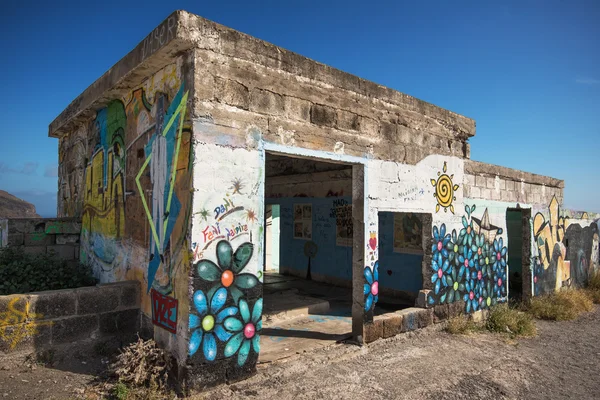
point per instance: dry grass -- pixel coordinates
(593, 288)
(561, 306)
(503, 319)
(463, 325)
(142, 370)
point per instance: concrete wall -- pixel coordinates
(61, 319)
(492, 182)
(125, 171)
(44, 235)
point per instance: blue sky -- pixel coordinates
(528, 72)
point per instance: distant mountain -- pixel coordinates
(13, 207)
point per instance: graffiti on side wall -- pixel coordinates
(18, 325)
(470, 264)
(164, 311)
(564, 250)
(137, 168)
(444, 190)
(226, 305)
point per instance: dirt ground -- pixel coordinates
(563, 361)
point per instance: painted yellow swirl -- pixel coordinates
(444, 190)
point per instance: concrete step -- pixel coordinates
(289, 304)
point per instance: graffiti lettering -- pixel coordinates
(164, 311)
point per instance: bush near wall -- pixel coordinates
(22, 272)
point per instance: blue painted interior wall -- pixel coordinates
(397, 271)
(331, 260)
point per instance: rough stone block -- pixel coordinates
(392, 325)
(22, 225)
(322, 115)
(410, 322)
(67, 239)
(54, 303)
(130, 295)
(266, 102)
(38, 239)
(13, 307)
(373, 331)
(58, 226)
(15, 239)
(467, 191)
(425, 318)
(63, 251)
(297, 109)
(440, 313)
(119, 322)
(480, 181)
(30, 336)
(422, 298)
(490, 183)
(68, 330)
(475, 192)
(486, 193)
(348, 121)
(469, 180)
(369, 126)
(477, 316)
(456, 308)
(502, 184)
(232, 93)
(34, 250)
(95, 300)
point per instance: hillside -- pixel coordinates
(13, 207)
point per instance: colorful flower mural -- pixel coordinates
(469, 265)
(229, 271)
(245, 331)
(371, 287)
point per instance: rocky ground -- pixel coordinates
(563, 361)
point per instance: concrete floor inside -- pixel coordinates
(299, 314)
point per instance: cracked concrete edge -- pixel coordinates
(491, 170)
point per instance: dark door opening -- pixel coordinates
(519, 236)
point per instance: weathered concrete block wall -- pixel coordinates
(60, 319)
(44, 236)
(295, 101)
(487, 181)
(125, 171)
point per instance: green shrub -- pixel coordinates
(503, 319)
(561, 306)
(22, 273)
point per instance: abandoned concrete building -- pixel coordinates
(239, 182)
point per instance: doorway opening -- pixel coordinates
(519, 242)
(308, 269)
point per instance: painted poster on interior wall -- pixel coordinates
(408, 233)
(303, 221)
(344, 227)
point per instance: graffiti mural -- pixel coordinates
(563, 251)
(131, 163)
(371, 274)
(469, 265)
(444, 190)
(18, 325)
(226, 302)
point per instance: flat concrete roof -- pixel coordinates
(181, 31)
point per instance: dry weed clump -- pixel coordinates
(463, 325)
(504, 319)
(593, 287)
(143, 364)
(561, 306)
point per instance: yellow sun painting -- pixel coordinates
(444, 190)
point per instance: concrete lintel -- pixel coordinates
(491, 170)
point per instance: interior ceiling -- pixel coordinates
(277, 165)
